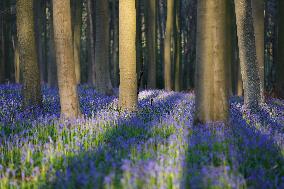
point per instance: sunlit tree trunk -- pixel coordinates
(65, 59)
(167, 45)
(27, 51)
(211, 65)
(16, 59)
(77, 6)
(247, 54)
(102, 68)
(280, 62)
(258, 18)
(151, 17)
(127, 55)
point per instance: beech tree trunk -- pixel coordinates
(91, 43)
(167, 45)
(247, 54)
(177, 36)
(258, 18)
(151, 17)
(77, 6)
(211, 51)
(65, 59)
(102, 67)
(280, 53)
(2, 45)
(127, 55)
(51, 69)
(28, 53)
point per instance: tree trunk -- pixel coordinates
(258, 18)
(151, 16)
(77, 6)
(167, 47)
(247, 53)
(52, 69)
(127, 55)
(211, 51)
(102, 80)
(16, 59)
(177, 36)
(2, 45)
(280, 53)
(28, 55)
(115, 45)
(91, 43)
(65, 59)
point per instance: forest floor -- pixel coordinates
(156, 147)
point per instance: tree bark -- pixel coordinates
(52, 69)
(28, 55)
(91, 43)
(127, 55)
(247, 54)
(2, 45)
(151, 16)
(258, 20)
(115, 45)
(77, 6)
(177, 36)
(102, 80)
(65, 59)
(211, 51)
(167, 47)
(280, 53)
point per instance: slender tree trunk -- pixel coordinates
(280, 53)
(52, 69)
(258, 18)
(28, 55)
(127, 55)
(102, 81)
(91, 43)
(16, 59)
(177, 36)
(2, 46)
(115, 45)
(65, 59)
(77, 6)
(211, 72)
(139, 48)
(247, 53)
(151, 16)
(167, 47)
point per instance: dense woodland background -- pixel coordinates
(151, 26)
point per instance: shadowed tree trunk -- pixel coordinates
(51, 68)
(167, 45)
(280, 53)
(2, 45)
(65, 59)
(151, 16)
(91, 43)
(258, 18)
(102, 68)
(247, 54)
(77, 6)
(27, 50)
(211, 57)
(177, 36)
(127, 55)
(115, 45)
